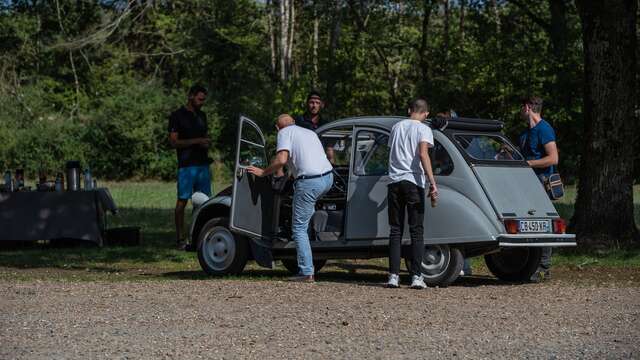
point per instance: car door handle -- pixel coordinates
(239, 173)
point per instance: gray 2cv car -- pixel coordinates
(491, 203)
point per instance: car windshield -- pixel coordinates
(488, 147)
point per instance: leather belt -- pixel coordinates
(305, 177)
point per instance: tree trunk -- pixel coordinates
(463, 6)
(272, 39)
(284, 32)
(316, 30)
(604, 207)
(292, 26)
(427, 7)
(446, 30)
(334, 42)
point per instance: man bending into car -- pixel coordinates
(301, 150)
(409, 168)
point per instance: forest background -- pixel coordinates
(96, 80)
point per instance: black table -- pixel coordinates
(34, 215)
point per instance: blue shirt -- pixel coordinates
(532, 142)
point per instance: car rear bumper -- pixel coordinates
(536, 240)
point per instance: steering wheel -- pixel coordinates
(339, 183)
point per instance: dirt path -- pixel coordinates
(330, 319)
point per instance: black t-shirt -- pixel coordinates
(190, 125)
(305, 122)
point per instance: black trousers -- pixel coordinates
(405, 195)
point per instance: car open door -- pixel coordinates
(252, 202)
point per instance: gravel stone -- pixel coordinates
(257, 319)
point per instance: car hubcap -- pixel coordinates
(219, 249)
(435, 260)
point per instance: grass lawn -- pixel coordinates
(149, 205)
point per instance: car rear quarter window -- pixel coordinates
(487, 147)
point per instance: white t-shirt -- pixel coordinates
(306, 154)
(404, 160)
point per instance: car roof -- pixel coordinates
(387, 122)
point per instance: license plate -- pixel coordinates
(534, 226)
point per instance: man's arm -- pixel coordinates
(550, 159)
(423, 150)
(178, 143)
(278, 163)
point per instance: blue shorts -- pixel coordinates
(192, 179)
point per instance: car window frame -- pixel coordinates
(357, 130)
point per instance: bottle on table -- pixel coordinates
(59, 182)
(8, 182)
(88, 182)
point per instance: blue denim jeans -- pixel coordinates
(305, 194)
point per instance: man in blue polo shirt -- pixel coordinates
(538, 145)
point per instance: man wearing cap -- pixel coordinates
(300, 149)
(312, 119)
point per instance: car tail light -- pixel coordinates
(511, 226)
(559, 226)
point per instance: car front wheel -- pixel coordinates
(514, 264)
(441, 265)
(220, 252)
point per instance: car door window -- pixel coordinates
(441, 162)
(371, 157)
(337, 144)
(252, 151)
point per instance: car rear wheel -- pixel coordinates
(220, 252)
(441, 265)
(292, 265)
(514, 264)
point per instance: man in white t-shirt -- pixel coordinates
(301, 150)
(410, 172)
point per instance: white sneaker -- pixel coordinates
(394, 281)
(417, 282)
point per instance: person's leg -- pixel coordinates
(305, 194)
(202, 182)
(184, 188)
(395, 210)
(545, 260)
(415, 212)
(466, 267)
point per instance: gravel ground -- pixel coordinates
(243, 318)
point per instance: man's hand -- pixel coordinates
(204, 142)
(433, 191)
(255, 171)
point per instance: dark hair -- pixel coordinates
(534, 102)
(419, 106)
(195, 89)
(312, 94)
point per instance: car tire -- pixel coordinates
(292, 265)
(441, 265)
(221, 252)
(514, 264)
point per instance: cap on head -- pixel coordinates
(195, 89)
(313, 94)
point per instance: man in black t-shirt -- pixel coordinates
(188, 134)
(312, 119)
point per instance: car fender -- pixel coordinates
(220, 206)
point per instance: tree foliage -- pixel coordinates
(96, 80)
